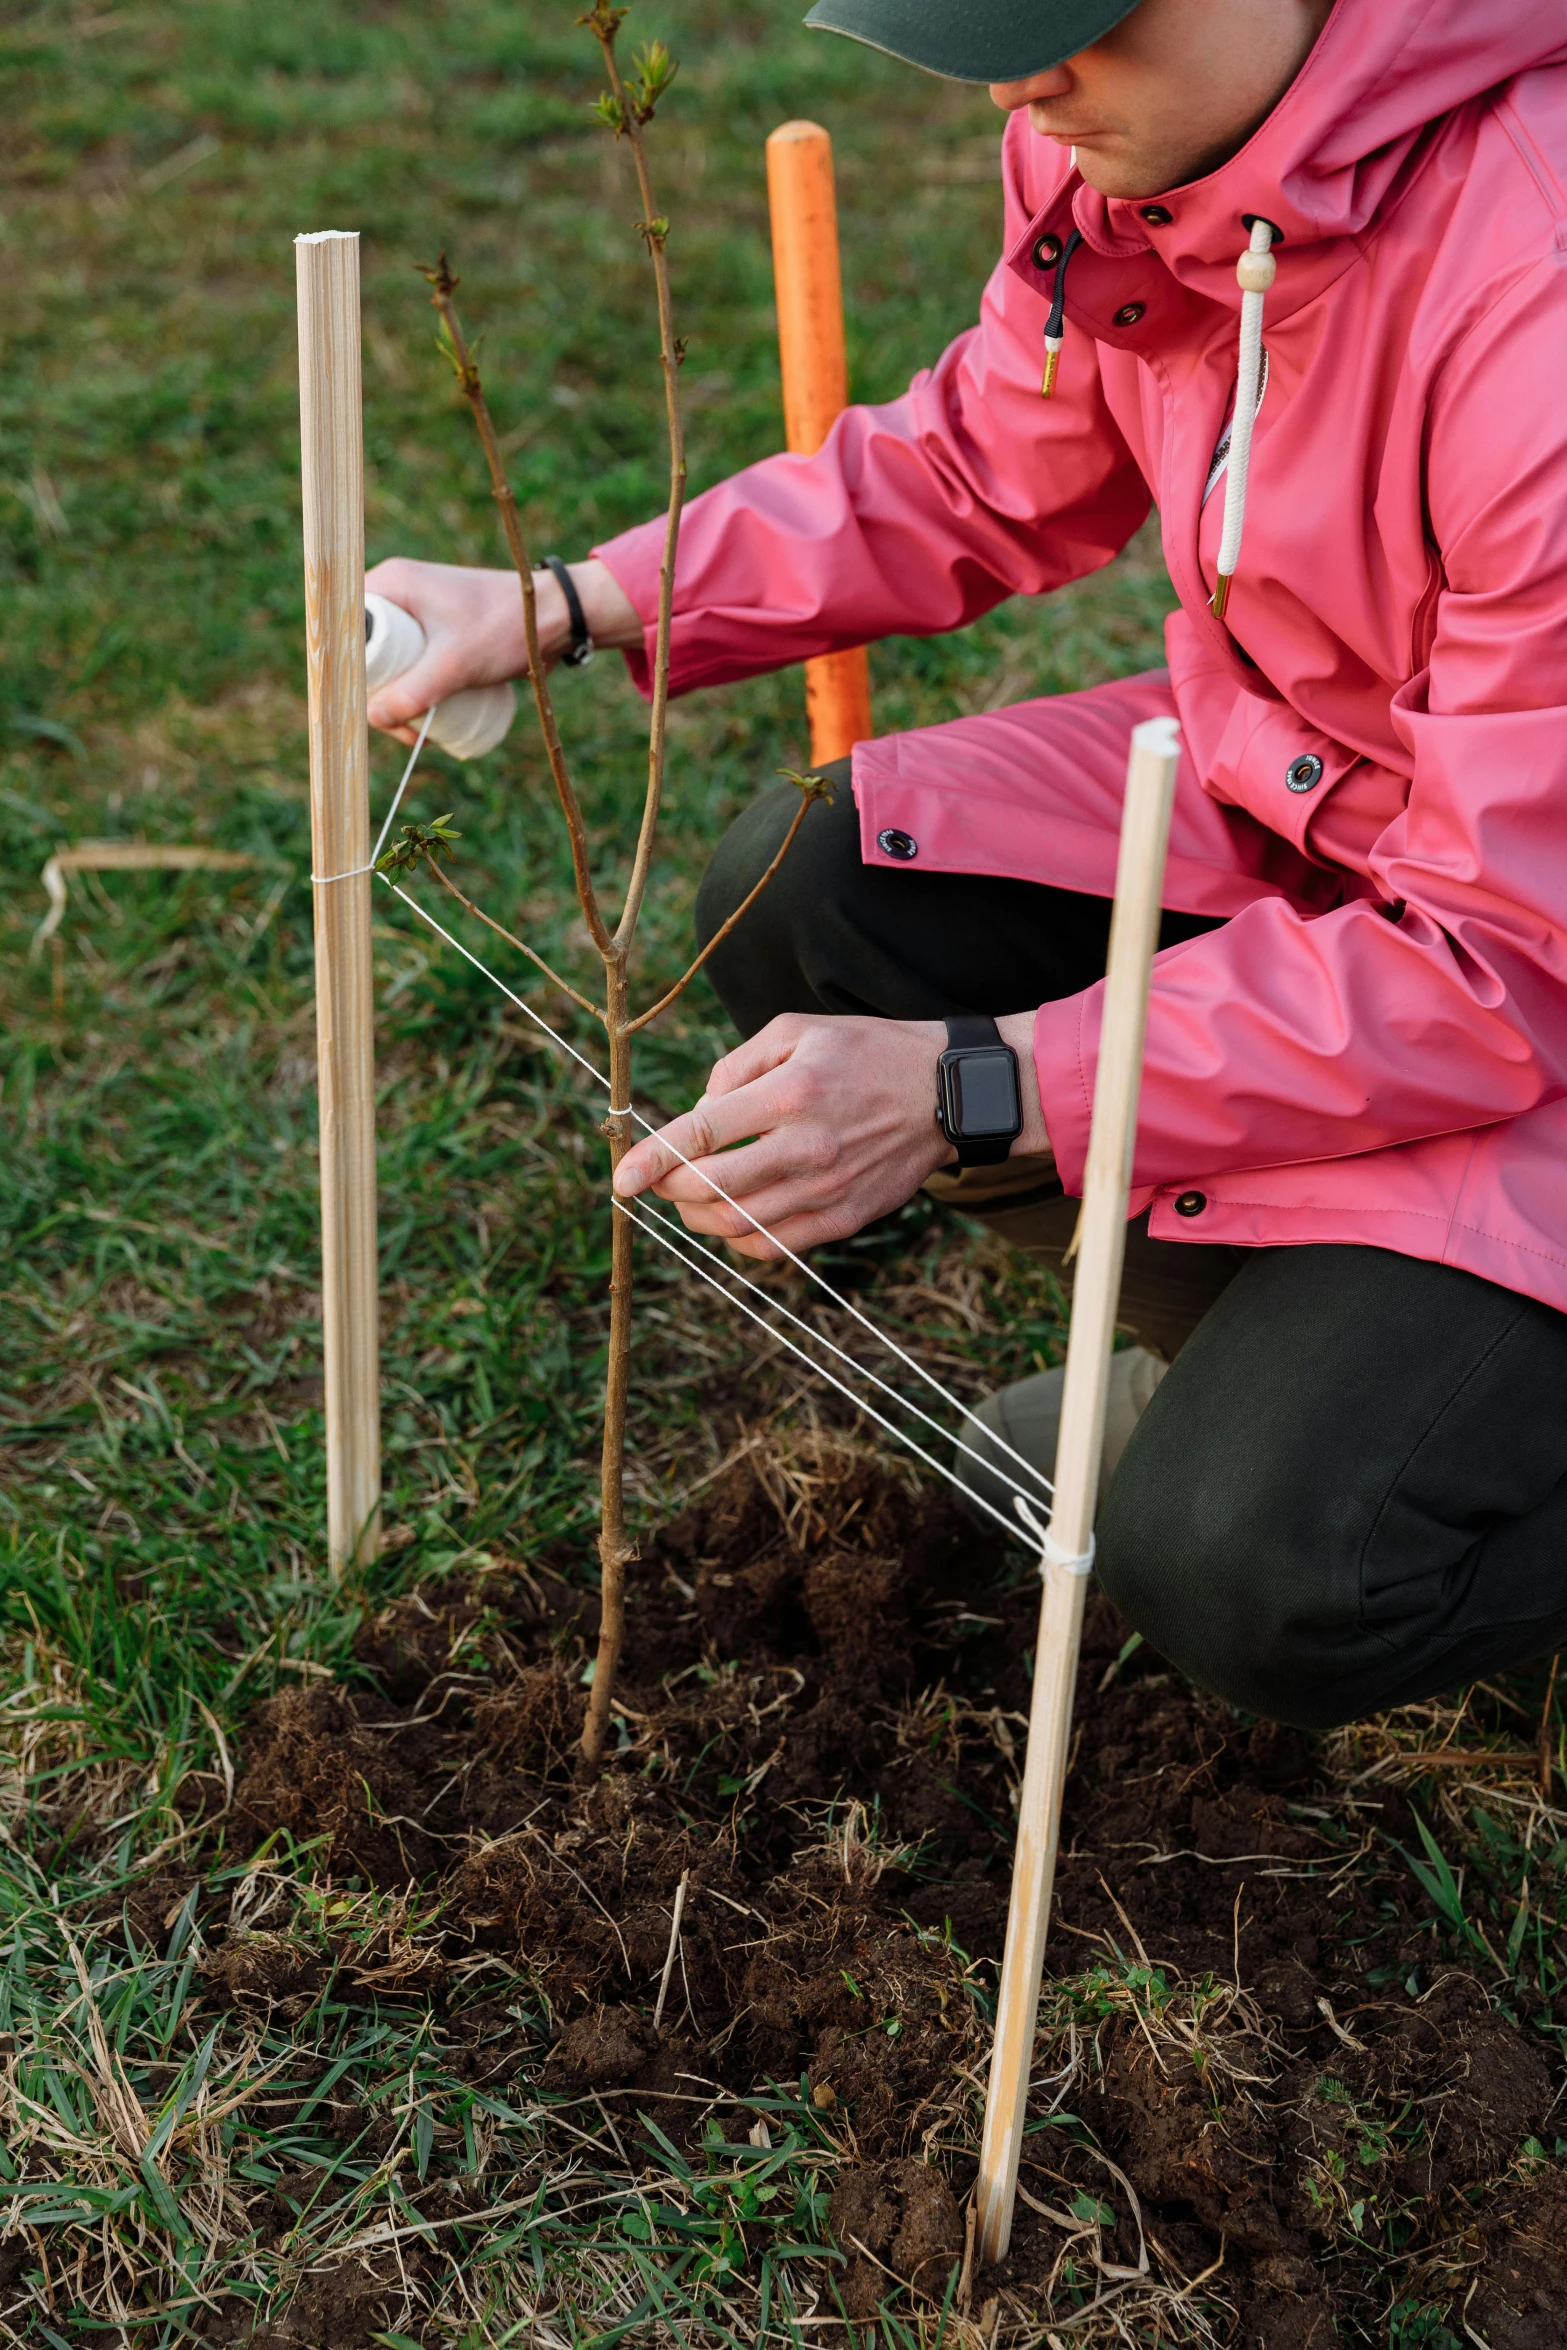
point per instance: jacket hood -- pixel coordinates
(1341, 141)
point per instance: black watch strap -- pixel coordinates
(580, 649)
(968, 1029)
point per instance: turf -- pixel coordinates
(159, 1203)
(162, 1503)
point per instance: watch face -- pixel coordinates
(985, 1094)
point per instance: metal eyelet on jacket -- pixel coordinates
(901, 845)
(1304, 773)
(1129, 314)
(1047, 251)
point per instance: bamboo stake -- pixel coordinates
(815, 371)
(1134, 932)
(332, 469)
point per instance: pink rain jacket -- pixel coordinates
(1374, 1047)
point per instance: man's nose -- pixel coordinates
(1054, 82)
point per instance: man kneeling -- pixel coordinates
(1341, 1451)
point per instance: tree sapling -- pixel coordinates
(626, 107)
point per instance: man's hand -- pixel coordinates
(472, 621)
(837, 1119)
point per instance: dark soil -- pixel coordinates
(822, 1705)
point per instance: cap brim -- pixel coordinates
(984, 41)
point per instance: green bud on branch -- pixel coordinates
(814, 787)
(418, 842)
(652, 71)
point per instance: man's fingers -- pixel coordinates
(711, 1126)
(771, 1206)
(787, 1232)
(768, 1049)
(789, 1154)
(404, 702)
(399, 707)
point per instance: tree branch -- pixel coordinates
(631, 111)
(442, 286)
(490, 923)
(812, 788)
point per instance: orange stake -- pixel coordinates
(815, 383)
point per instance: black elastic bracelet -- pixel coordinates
(580, 651)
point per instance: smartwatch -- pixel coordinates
(979, 1101)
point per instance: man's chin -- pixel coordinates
(1105, 165)
(1122, 176)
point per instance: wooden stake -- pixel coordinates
(815, 371)
(332, 469)
(1134, 932)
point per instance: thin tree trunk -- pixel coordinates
(614, 1549)
(627, 109)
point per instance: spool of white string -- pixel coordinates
(467, 724)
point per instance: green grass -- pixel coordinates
(162, 1493)
(162, 1500)
(161, 1347)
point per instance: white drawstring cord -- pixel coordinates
(1254, 273)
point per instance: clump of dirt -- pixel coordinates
(1271, 2067)
(901, 2216)
(351, 2304)
(1520, 2236)
(605, 2047)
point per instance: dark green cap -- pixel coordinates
(974, 40)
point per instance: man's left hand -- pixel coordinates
(816, 1126)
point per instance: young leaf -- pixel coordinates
(815, 787)
(417, 841)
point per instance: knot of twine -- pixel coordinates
(1051, 1553)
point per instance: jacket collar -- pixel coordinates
(1327, 168)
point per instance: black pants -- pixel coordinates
(1350, 1490)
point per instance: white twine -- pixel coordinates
(882, 1338)
(1051, 1554)
(819, 1369)
(861, 1370)
(995, 1442)
(322, 879)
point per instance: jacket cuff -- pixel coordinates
(1066, 1046)
(633, 561)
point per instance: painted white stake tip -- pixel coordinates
(1161, 736)
(329, 236)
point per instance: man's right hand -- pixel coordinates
(472, 621)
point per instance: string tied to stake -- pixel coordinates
(992, 1440)
(323, 880)
(688, 1248)
(1051, 1554)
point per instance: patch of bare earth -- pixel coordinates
(821, 1718)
